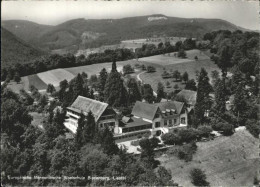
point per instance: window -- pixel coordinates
(157, 115)
(165, 122)
(101, 125)
(170, 122)
(183, 120)
(157, 124)
(175, 121)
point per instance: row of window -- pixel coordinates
(171, 122)
(137, 128)
(130, 135)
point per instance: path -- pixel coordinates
(139, 79)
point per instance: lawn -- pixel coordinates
(37, 82)
(227, 161)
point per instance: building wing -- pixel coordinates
(144, 110)
(84, 105)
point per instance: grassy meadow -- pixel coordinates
(227, 161)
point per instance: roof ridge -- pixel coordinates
(96, 101)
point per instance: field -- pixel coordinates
(171, 63)
(170, 59)
(55, 76)
(227, 161)
(96, 68)
(41, 80)
(161, 62)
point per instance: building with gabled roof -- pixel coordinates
(144, 110)
(103, 114)
(163, 116)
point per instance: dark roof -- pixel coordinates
(134, 122)
(85, 105)
(144, 110)
(189, 95)
(175, 105)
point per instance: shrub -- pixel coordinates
(154, 142)
(224, 128)
(151, 69)
(171, 139)
(188, 135)
(182, 54)
(204, 131)
(198, 177)
(127, 69)
(253, 127)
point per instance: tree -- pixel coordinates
(147, 93)
(151, 69)
(176, 74)
(191, 85)
(198, 177)
(203, 100)
(182, 53)
(171, 139)
(214, 76)
(89, 129)
(240, 103)
(108, 142)
(165, 176)
(224, 60)
(50, 89)
(220, 96)
(102, 82)
(79, 141)
(176, 87)
(147, 154)
(127, 69)
(17, 77)
(115, 91)
(253, 127)
(133, 91)
(168, 84)
(185, 77)
(160, 91)
(76, 87)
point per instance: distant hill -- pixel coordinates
(15, 50)
(96, 32)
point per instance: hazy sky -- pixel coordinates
(241, 13)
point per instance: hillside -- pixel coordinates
(96, 32)
(227, 161)
(26, 30)
(15, 50)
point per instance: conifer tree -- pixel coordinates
(220, 96)
(160, 91)
(203, 101)
(102, 82)
(115, 91)
(89, 129)
(133, 91)
(79, 136)
(108, 142)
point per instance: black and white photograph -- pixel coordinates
(130, 93)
